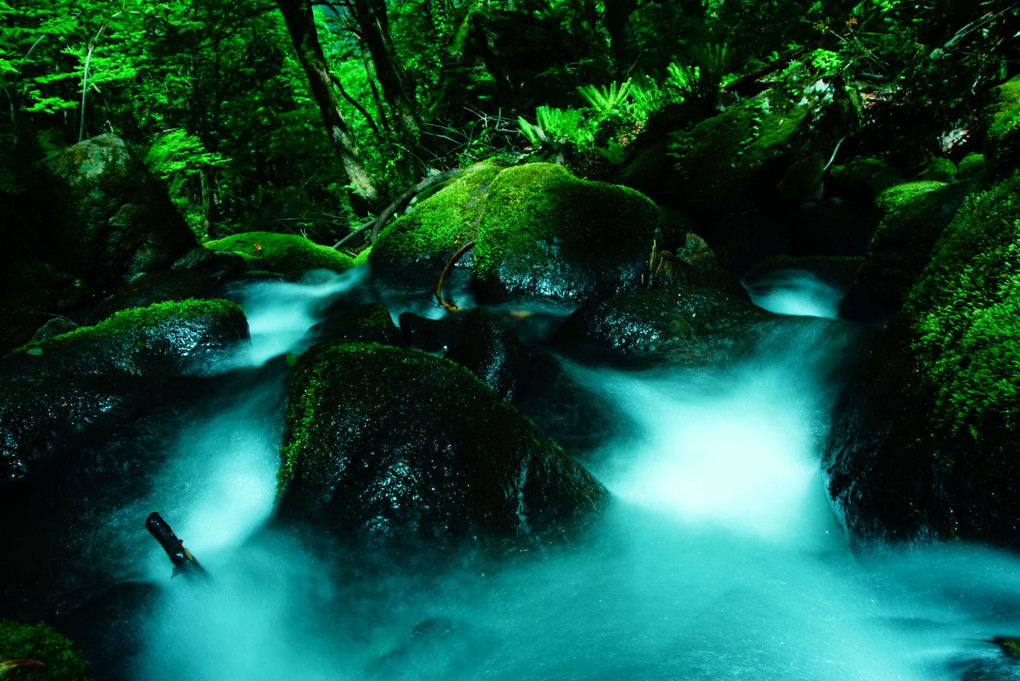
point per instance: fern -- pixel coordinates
(608, 98)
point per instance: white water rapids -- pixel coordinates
(718, 559)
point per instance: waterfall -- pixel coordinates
(718, 559)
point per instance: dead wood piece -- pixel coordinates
(184, 563)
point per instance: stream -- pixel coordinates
(719, 557)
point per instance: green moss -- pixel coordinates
(717, 159)
(437, 226)
(362, 257)
(972, 167)
(1002, 143)
(42, 644)
(803, 180)
(288, 254)
(310, 381)
(135, 318)
(939, 170)
(964, 314)
(542, 223)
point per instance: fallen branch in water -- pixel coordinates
(450, 306)
(184, 562)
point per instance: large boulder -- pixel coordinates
(388, 445)
(288, 254)
(684, 324)
(924, 445)
(912, 216)
(547, 234)
(112, 219)
(85, 418)
(538, 231)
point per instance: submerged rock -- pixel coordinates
(390, 445)
(924, 444)
(684, 324)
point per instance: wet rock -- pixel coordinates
(166, 339)
(912, 216)
(218, 264)
(392, 446)
(109, 626)
(477, 340)
(923, 443)
(687, 325)
(156, 287)
(113, 220)
(288, 254)
(369, 323)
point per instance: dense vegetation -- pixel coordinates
(251, 133)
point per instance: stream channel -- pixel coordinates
(719, 558)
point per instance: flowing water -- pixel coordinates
(719, 557)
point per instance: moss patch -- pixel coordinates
(964, 313)
(289, 254)
(547, 233)
(1002, 143)
(426, 238)
(56, 654)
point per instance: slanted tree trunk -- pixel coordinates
(301, 25)
(375, 30)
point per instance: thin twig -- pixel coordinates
(449, 305)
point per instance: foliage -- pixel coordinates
(59, 661)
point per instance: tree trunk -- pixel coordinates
(301, 25)
(375, 29)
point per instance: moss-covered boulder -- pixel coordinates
(165, 339)
(391, 446)
(37, 652)
(86, 418)
(925, 444)
(684, 324)
(547, 234)
(1002, 116)
(912, 216)
(758, 150)
(288, 254)
(417, 246)
(111, 218)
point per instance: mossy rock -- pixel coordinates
(548, 234)
(55, 656)
(395, 446)
(686, 325)
(938, 170)
(863, 179)
(416, 247)
(112, 219)
(739, 157)
(35, 293)
(288, 254)
(165, 339)
(912, 216)
(925, 444)
(1002, 116)
(972, 168)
